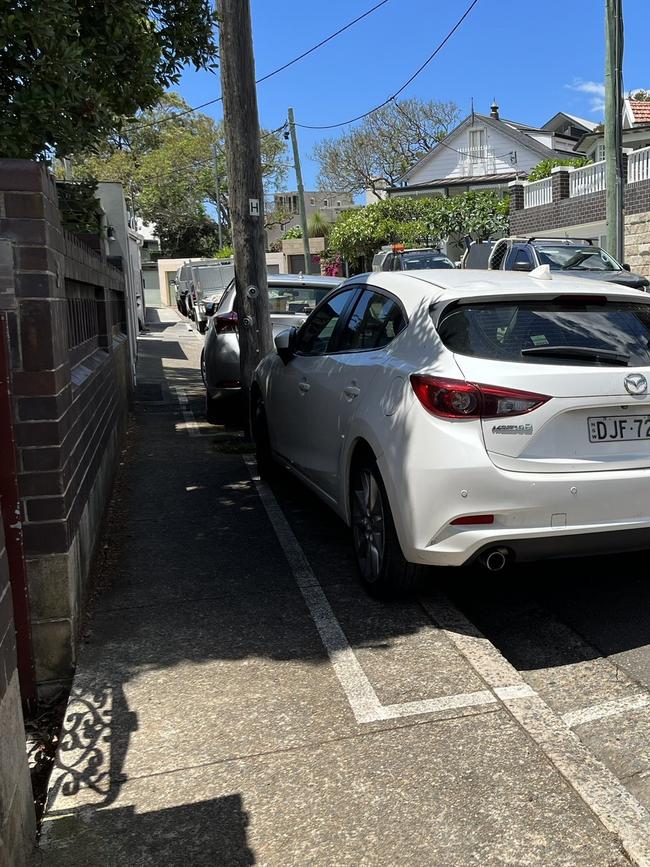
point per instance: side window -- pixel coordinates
(518, 256)
(375, 321)
(316, 334)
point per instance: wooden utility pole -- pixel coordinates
(245, 190)
(613, 127)
(301, 193)
(217, 190)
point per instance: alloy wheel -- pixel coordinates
(368, 525)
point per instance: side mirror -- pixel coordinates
(522, 266)
(285, 343)
(626, 267)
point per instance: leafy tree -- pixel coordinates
(167, 168)
(641, 95)
(69, 68)
(544, 169)
(359, 233)
(384, 146)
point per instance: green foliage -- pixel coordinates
(641, 95)
(70, 68)
(79, 205)
(414, 221)
(224, 253)
(318, 226)
(543, 169)
(386, 144)
(292, 233)
(168, 170)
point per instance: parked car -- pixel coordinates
(209, 280)
(397, 257)
(580, 258)
(291, 298)
(449, 420)
(182, 282)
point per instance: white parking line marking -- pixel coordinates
(606, 796)
(191, 424)
(607, 708)
(359, 692)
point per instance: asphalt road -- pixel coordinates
(241, 700)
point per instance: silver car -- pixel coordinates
(291, 298)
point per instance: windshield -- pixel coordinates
(574, 258)
(427, 259)
(546, 331)
(295, 299)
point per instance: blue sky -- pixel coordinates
(535, 59)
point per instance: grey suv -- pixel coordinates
(572, 256)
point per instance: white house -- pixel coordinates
(487, 152)
(636, 131)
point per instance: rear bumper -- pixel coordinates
(558, 545)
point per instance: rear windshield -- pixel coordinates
(554, 331)
(295, 299)
(415, 261)
(214, 277)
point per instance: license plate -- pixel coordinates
(613, 428)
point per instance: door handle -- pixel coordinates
(304, 386)
(351, 391)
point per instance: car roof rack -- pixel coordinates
(564, 240)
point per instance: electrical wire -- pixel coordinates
(412, 78)
(268, 74)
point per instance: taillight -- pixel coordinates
(453, 398)
(226, 323)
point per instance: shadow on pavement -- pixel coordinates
(203, 834)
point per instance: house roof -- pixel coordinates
(589, 138)
(640, 110)
(509, 128)
(587, 125)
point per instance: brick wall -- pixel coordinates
(71, 386)
(564, 212)
(16, 807)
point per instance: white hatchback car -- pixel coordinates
(458, 415)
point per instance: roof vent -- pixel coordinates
(542, 272)
(494, 110)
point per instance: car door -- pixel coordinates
(297, 403)
(376, 318)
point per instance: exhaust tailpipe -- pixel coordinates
(496, 559)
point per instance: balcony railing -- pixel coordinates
(588, 179)
(538, 193)
(477, 161)
(638, 165)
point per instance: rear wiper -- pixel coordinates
(608, 355)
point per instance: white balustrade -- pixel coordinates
(588, 179)
(538, 193)
(638, 165)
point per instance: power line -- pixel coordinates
(268, 74)
(438, 48)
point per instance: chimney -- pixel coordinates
(494, 110)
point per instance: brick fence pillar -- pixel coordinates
(516, 190)
(560, 182)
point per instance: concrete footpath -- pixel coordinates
(239, 700)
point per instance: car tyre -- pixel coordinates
(384, 571)
(266, 466)
(213, 410)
